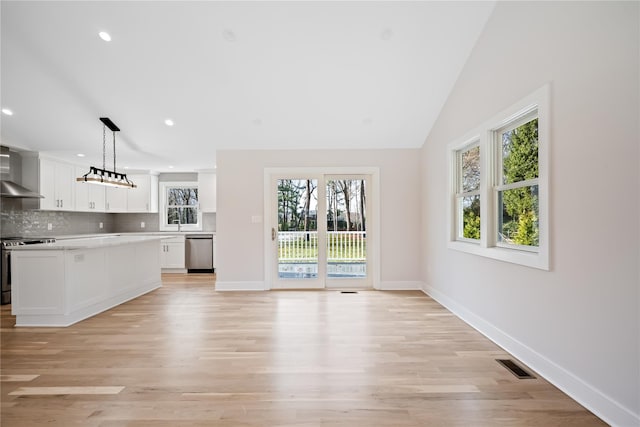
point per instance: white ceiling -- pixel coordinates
(241, 75)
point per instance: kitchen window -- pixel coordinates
(180, 206)
(498, 198)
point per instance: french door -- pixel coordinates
(319, 231)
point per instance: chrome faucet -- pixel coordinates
(179, 224)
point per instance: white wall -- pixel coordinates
(240, 196)
(577, 324)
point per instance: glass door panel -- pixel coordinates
(297, 234)
(346, 202)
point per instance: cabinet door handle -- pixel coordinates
(273, 233)
(61, 203)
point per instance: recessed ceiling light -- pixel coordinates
(170, 167)
(386, 34)
(7, 112)
(229, 35)
(80, 155)
(168, 122)
(104, 36)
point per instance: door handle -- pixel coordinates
(273, 234)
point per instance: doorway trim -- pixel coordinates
(373, 218)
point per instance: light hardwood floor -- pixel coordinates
(185, 355)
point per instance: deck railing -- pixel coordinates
(342, 246)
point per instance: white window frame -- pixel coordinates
(164, 186)
(458, 228)
(531, 106)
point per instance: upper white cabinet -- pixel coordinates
(89, 197)
(143, 198)
(56, 184)
(207, 191)
(116, 200)
(56, 181)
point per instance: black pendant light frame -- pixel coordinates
(105, 176)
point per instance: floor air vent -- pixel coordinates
(348, 292)
(515, 369)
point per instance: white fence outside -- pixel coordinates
(342, 246)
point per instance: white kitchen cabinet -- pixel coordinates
(88, 197)
(116, 199)
(143, 198)
(172, 253)
(207, 191)
(78, 278)
(56, 184)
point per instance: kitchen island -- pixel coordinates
(59, 284)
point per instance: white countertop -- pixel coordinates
(166, 234)
(94, 242)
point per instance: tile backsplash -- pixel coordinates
(130, 222)
(16, 221)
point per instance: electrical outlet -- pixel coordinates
(142, 224)
(49, 226)
(101, 225)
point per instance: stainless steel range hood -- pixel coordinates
(8, 185)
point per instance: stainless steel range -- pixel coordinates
(6, 243)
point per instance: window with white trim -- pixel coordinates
(180, 206)
(468, 192)
(499, 186)
(517, 188)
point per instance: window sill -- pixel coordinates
(183, 229)
(539, 260)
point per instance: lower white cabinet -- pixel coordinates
(61, 285)
(172, 253)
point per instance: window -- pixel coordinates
(499, 186)
(517, 188)
(180, 206)
(468, 193)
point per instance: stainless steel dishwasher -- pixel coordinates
(199, 252)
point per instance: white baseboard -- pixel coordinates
(588, 396)
(175, 270)
(239, 286)
(407, 285)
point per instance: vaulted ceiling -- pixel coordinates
(230, 75)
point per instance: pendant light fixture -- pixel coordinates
(104, 176)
